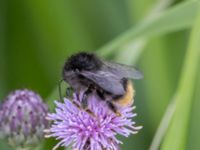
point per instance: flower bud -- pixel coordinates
(23, 118)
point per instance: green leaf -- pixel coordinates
(177, 134)
(194, 132)
(177, 18)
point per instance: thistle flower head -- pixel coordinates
(23, 118)
(77, 128)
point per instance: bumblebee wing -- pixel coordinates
(106, 81)
(123, 71)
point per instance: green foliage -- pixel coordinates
(37, 36)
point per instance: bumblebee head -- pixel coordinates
(83, 61)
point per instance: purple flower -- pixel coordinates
(23, 118)
(77, 128)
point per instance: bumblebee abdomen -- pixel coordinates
(128, 97)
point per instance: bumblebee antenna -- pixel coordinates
(60, 89)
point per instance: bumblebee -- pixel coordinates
(110, 81)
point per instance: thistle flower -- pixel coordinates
(82, 131)
(23, 118)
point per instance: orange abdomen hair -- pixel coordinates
(128, 97)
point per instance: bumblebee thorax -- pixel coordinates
(83, 61)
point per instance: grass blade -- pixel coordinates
(194, 132)
(176, 137)
(163, 126)
(180, 17)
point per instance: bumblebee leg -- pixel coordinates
(101, 94)
(69, 91)
(113, 108)
(76, 104)
(84, 101)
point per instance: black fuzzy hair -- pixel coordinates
(83, 61)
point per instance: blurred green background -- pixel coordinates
(161, 37)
